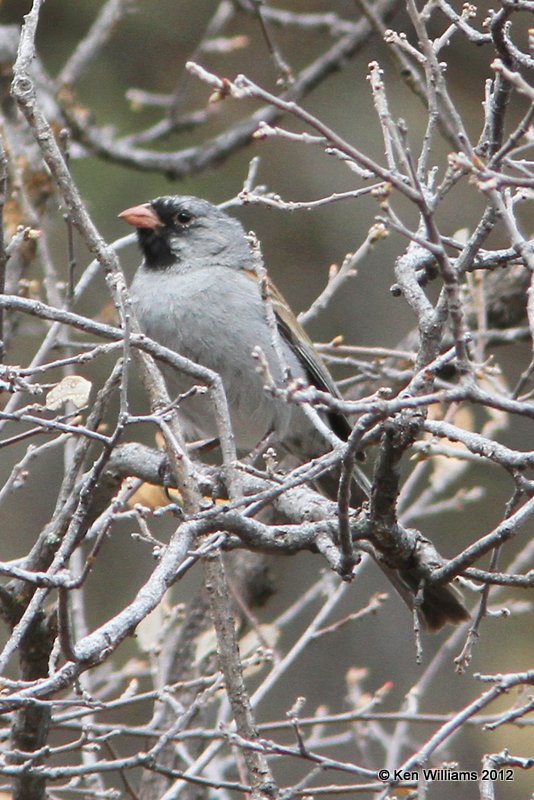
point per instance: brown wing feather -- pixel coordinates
(299, 341)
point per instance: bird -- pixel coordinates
(200, 291)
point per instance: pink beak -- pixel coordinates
(142, 216)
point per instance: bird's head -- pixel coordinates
(187, 232)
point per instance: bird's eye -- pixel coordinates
(183, 217)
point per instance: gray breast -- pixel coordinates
(217, 323)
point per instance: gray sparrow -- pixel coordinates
(198, 291)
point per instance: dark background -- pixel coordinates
(149, 52)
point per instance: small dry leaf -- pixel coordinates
(148, 495)
(73, 388)
(152, 496)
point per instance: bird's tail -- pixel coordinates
(436, 605)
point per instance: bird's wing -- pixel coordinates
(296, 337)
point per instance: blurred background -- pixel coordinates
(148, 52)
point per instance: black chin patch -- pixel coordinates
(155, 248)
